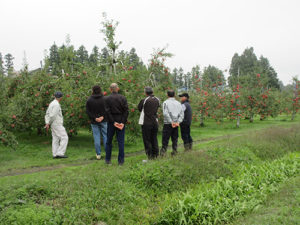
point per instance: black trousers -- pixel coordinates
(186, 133)
(150, 140)
(169, 131)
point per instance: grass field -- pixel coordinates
(248, 175)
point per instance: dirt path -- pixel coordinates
(89, 161)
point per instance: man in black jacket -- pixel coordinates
(149, 121)
(96, 110)
(185, 125)
(117, 112)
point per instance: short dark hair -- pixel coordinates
(58, 94)
(148, 90)
(171, 93)
(97, 90)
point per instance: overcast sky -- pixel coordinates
(199, 32)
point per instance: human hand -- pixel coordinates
(47, 126)
(174, 125)
(121, 126)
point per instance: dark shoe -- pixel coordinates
(186, 147)
(121, 164)
(55, 157)
(163, 152)
(61, 156)
(174, 152)
(191, 146)
(107, 162)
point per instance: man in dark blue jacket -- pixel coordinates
(185, 125)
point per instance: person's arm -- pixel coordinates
(125, 110)
(52, 113)
(89, 113)
(181, 114)
(141, 104)
(108, 110)
(47, 117)
(166, 113)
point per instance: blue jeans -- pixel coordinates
(99, 129)
(111, 130)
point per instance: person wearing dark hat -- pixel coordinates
(97, 112)
(54, 119)
(185, 125)
(149, 121)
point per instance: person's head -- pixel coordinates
(184, 97)
(97, 90)
(171, 93)
(58, 95)
(148, 91)
(114, 88)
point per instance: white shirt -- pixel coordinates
(53, 114)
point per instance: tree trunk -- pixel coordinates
(202, 120)
(238, 122)
(114, 62)
(251, 117)
(293, 115)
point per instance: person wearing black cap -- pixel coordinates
(54, 119)
(149, 121)
(185, 125)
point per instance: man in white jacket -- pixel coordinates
(173, 116)
(54, 119)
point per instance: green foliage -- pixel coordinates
(163, 177)
(244, 68)
(1, 66)
(30, 214)
(228, 198)
(142, 193)
(213, 77)
(281, 207)
(9, 64)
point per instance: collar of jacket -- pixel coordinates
(97, 95)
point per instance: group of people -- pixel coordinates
(109, 115)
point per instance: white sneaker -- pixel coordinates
(98, 157)
(145, 161)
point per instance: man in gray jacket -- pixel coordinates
(173, 116)
(54, 119)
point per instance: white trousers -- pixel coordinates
(59, 140)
